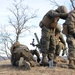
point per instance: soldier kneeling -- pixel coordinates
(21, 56)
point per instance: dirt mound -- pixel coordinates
(7, 69)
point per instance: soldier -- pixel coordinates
(70, 27)
(21, 56)
(60, 42)
(48, 25)
(35, 52)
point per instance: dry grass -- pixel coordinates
(7, 69)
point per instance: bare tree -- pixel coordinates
(55, 3)
(5, 42)
(17, 21)
(21, 16)
(72, 3)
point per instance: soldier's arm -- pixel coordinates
(35, 52)
(62, 39)
(52, 14)
(63, 15)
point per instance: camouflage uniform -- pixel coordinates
(21, 51)
(48, 25)
(35, 52)
(70, 22)
(60, 42)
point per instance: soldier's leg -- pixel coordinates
(38, 55)
(52, 46)
(24, 64)
(44, 42)
(72, 59)
(44, 53)
(71, 51)
(58, 49)
(33, 63)
(14, 58)
(44, 60)
(51, 54)
(29, 57)
(13, 61)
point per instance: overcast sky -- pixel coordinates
(42, 5)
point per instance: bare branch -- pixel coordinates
(72, 2)
(53, 2)
(21, 17)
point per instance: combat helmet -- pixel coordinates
(58, 28)
(16, 44)
(62, 9)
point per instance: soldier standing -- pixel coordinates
(48, 25)
(70, 24)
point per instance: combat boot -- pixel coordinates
(27, 65)
(24, 64)
(33, 63)
(71, 64)
(21, 62)
(54, 62)
(51, 57)
(44, 60)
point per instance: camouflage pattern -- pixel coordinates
(60, 42)
(47, 41)
(48, 25)
(35, 52)
(70, 22)
(22, 51)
